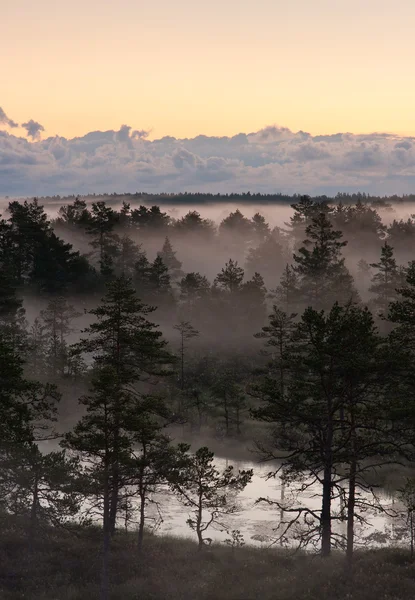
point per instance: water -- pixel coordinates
(261, 524)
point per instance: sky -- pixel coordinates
(217, 68)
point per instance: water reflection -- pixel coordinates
(262, 524)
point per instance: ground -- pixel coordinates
(65, 565)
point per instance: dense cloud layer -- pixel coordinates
(271, 160)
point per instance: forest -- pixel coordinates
(139, 350)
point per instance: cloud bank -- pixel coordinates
(274, 159)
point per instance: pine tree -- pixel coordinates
(330, 414)
(202, 488)
(193, 224)
(385, 280)
(186, 332)
(12, 313)
(266, 259)
(124, 341)
(252, 296)
(130, 257)
(324, 278)
(57, 325)
(287, 293)
(278, 348)
(160, 292)
(231, 276)
(127, 350)
(45, 487)
(304, 211)
(101, 227)
(168, 256)
(261, 228)
(194, 288)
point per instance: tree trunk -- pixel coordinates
(225, 406)
(352, 490)
(106, 542)
(182, 364)
(350, 512)
(142, 518)
(113, 506)
(199, 525)
(33, 512)
(326, 513)
(238, 421)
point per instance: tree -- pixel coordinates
(252, 300)
(402, 310)
(193, 224)
(287, 293)
(330, 413)
(120, 414)
(193, 288)
(201, 487)
(261, 228)
(101, 229)
(45, 487)
(150, 219)
(186, 332)
(158, 278)
(125, 343)
(304, 211)
(12, 313)
(385, 280)
(168, 256)
(35, 254)
(130, 257)
(231, 276)
(278, 349)
(266, 259)
(401, 236)
(56, 322)
(76, 214)
(323, 275)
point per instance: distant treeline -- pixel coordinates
(245, 198)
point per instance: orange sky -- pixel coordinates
(221, 67)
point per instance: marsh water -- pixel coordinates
(261, 524)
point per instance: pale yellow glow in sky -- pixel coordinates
(218, 67)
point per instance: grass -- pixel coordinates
(65, 566)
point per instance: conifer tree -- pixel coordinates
(127, 350)
(330, 414)
(385, 280)
(278, 350)
(252, 301)
(201, 487)
(186, 332)
(129, 256)
(261, 228)
(324, 278)
(287, 293)
(173, 264)
(46, 487)
(101, 229)
(266, 259)
(57, 325)
(160, 292)
(231, 276)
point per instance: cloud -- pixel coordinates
(4, 120)
(274, 159)
(33, 129)
(138, 134)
